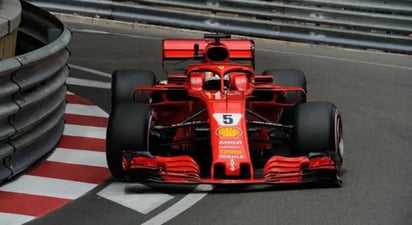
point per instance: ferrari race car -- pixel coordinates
(219, 122)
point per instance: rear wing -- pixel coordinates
(182, 49)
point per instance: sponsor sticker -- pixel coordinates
(229, 147)
(231, 156)
(221, 142)
(230, 151)
(228, 144)
(229, 132)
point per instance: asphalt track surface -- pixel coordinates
(372, 90)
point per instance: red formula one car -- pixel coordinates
(219, 122)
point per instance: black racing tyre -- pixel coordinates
(127, 130)
(124, 81)
(289, 77)
(317, 129)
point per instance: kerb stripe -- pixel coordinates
(86, 120)
(26, 204)
(75, 99)
(81, 173)
(74, 142)
(79, 157)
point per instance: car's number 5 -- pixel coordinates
(227, 119)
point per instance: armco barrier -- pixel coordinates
(365, 24)
(32, 91)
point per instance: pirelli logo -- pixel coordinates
(230, 151)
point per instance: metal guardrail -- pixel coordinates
(366, 24)
(32, 91)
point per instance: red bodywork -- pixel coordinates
(225, 123)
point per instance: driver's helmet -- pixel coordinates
(211, 76)
(212, 81)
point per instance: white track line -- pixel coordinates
(50, 187)
(183, 204)
(14, 219)
(90, 31)
(93, 71)
(78, 157)
(88, 83)
(141, 202)
(85, 110)
(335, 58)
(85, 131)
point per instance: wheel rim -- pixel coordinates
(340, 147)
(339, 140)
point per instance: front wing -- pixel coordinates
(278, 170)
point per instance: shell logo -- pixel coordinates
(228, 132)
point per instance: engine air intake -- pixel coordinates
(217, 54)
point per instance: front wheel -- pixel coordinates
(317, 128)
(124, 82)
(127, 130)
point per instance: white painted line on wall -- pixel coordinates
(88, 83)
(183, 204)
(51, 187)
(79, 157)
(123, 194)
(85, 131)
(14, 219)
(85, 110)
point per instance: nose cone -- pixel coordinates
(229, 139)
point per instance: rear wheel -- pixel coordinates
(124, 81)
(127, 130)
(289, 77)
(317, 128)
